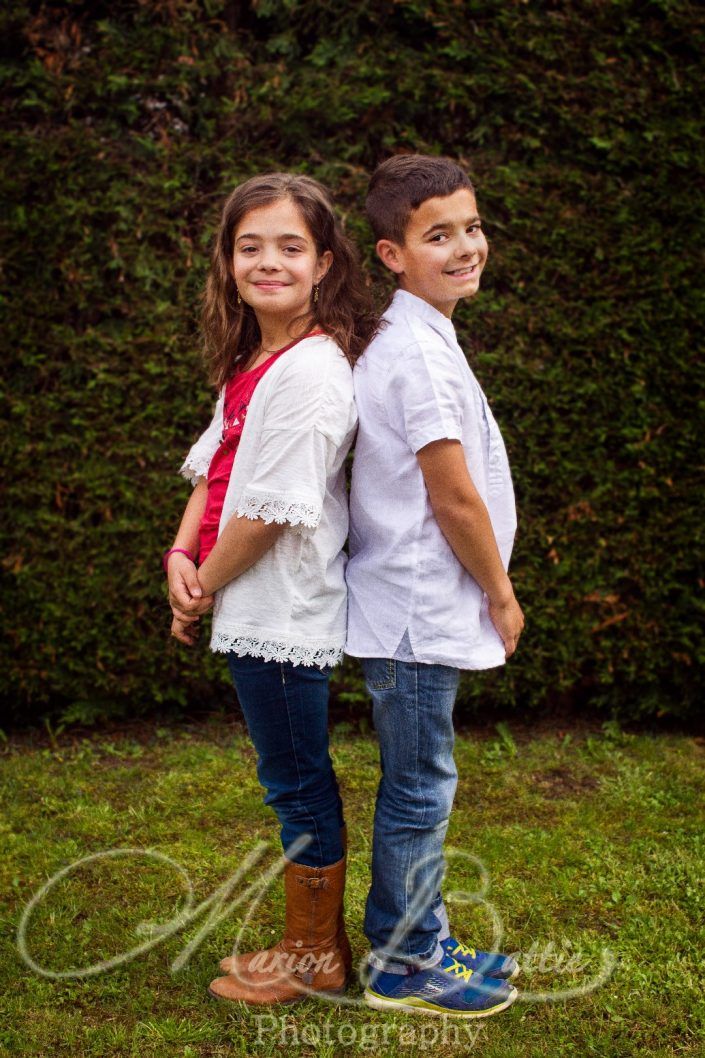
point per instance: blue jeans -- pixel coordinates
(413, 715)
(286, 711)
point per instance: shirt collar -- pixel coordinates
(407, 303)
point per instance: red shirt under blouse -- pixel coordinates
(238, 394)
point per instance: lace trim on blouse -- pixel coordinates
(196, 466)
(276, 649)
(272, 507)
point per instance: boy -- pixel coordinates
(432, 527)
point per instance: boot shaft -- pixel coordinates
(314, 901)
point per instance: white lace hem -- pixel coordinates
(272, 507)
(276, 649)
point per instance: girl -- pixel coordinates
(286, 313)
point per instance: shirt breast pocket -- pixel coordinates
(498, 473)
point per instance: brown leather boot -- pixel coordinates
(235, 964)
(307, 958)
(342, 938)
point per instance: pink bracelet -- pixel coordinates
(173, 550)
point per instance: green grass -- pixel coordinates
(591, 842)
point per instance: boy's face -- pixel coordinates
(444, 251)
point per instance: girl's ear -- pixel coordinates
(323, 264)
(390, 255)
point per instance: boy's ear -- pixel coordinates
(390, 255)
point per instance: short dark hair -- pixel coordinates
(402, 183)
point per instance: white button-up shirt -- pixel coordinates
(413, 386)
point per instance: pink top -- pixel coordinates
(238, 394)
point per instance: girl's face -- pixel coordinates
(275, 261)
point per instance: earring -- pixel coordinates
(239, 299)
(315, 294)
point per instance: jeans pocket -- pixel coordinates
(380, 673)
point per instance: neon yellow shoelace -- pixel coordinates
(464, 950)
(458, 970)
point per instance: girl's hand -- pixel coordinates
(186, 596)
(185, 630)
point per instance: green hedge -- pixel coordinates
(581, 123)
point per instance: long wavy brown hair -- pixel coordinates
(344, 309)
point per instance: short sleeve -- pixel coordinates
(307, 415)
(424, 397)
(200, 455)
(289, 481)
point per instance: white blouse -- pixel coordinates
(289, 468)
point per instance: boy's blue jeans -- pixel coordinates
(413, 713)
(286, 711)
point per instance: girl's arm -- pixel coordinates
(185, 592)
(311, 405)
(187, 536)
(241, 544)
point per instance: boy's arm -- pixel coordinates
(465, 523)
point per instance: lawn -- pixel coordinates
(581, 850)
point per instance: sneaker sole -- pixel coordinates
(510, 977)
(422, 1006)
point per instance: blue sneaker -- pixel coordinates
(488, 963)
(449, 988)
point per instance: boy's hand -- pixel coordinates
(508, 619)
(186, 596)
(185, 630)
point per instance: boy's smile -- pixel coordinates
(444, 251)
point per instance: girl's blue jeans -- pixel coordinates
(286, 711)
(413, 714)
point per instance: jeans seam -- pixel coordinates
(412, 675)
(300, 803)
(412, 843)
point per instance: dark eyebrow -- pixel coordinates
(290, 235)
(448, 224)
